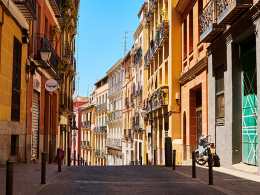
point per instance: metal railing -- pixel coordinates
(135, 123)
(115, 115)
(126, 102)
(156, 44)
(101, 107)
(66, 102)
(115, 88)
(206, 16)
(29, 4)
(111, 142)
(41, 41)
(138, 56)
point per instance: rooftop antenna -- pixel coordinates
(125, 47)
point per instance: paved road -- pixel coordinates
(125, 180)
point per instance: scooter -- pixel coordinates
(204, 149)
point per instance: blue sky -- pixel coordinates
(100, 42)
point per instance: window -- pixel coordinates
(191, 30)
(14, 144)
(185, 39)
(220, 94)
(200, 5)
(16, 83)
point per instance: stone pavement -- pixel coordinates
(125, 180)
(226, 180)
(27, 178)
(129, 180)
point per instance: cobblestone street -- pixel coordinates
(125, 180)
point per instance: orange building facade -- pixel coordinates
(193, 79)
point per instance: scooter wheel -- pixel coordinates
(199, 162)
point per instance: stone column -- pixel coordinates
(163, 139)
(158, 140)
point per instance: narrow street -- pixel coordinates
(124, 180)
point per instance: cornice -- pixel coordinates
(194, 70)
(181, 5)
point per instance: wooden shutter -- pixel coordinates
(16, 81)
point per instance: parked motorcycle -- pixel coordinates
(204, 149)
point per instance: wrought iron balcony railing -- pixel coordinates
(41, 41)
(135, 123)
(103, 129)
(27, 8)
(162, 34)
(126, 102)
(101, 108)
(158, 99)
(66, 52)
(115, 88)
(138, 56)
(111, 142)
(66, 102)
(227, 11)
(114, 115)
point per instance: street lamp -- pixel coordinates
(76, 130)
(45, 53)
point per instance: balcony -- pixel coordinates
(209, 29)
(230, 10)
(103, 129)
(115, 88)
(101, 108)
(114, 115)
(136, 46)
(27, 8)
(162, 35)
(152, 7)
(138, 56)
(126, 102)
(158, 99)
(111, 142)
(66, 103)
(41, 41)
(135, 123)
(88, 144)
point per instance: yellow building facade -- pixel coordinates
(100, 131)
(13, 84)
(162, 69)
(87, 132)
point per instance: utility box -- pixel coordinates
(168, 152)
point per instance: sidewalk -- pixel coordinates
(226, 180)
(27, 178)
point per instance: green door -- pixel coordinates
(249, 107)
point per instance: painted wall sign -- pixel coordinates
(51, 85)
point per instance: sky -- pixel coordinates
(100, 38)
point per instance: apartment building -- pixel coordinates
(87, 132)
(194, 78)
(115, 117)
(78, 104)
(100, 131)
(13, 82)
(128, 144)
(232, 34)
(161, 92)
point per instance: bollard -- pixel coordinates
(146, 158)
(173, 159)
(69, 150)
(210, 169)
(74, 157)
(9, 176)
(43, 171)
(193, 164)
(59, 159)
(141, 161)
(78, 159)
(82, 162)
(86, 164)
(89, 163)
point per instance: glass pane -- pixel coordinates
(220, 105)
(220, 79)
